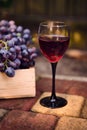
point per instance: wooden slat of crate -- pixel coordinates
(21, 85)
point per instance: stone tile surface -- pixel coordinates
(22, 120)
(71, 123)
(73, 107)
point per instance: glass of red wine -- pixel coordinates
(54, 39)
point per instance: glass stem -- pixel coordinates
(53, 95)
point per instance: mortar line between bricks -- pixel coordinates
(82, 108)
(7, 111)
(56, 123)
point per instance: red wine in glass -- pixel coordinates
(53, 41)
(53, 47)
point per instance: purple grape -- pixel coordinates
(4, 53)
(24, 59)
(4, 23)
(10, 72)
(19, 29)
(14, 34)
(1, 66)
(26, 36)
(15, 40)
(12, 56)
(33, 56)
(21, 40)
(3, 29)
(24, 53)
(10, 43)
(11, 22)
(31, 50)
(12, 28)
(26, 31)
(17, 48)
(23, 47)
(17, 62)
(12, 64)
(8, 37)
(12, 50)
(19, 56)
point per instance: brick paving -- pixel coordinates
(17, 114)
(23, 120)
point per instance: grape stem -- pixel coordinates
(5, 43)
(6, 47)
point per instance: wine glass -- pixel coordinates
(53, 39)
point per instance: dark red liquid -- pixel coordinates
(53, 47)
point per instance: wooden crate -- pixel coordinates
(21, 85)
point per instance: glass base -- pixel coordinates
(56, 103)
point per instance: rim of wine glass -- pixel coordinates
(55, 23)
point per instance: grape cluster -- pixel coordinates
(15, 49)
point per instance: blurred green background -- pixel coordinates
(30, 13)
